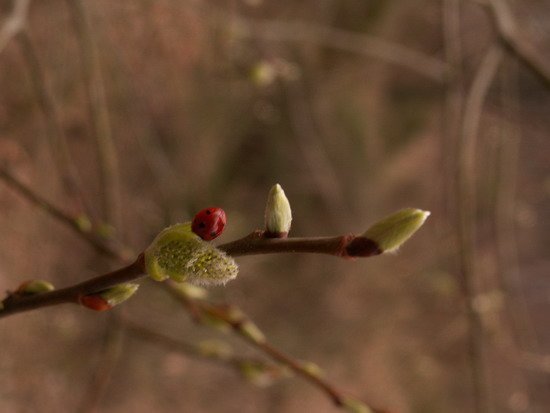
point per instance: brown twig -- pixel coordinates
(202, 352)
(247, 330)
(54, 131)
(17, 303)
(99, 112)
(340, 246)
(514, 41)
(14, 23)
(466, 207)
(99, 244)
(362, 44)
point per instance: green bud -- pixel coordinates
(119, 293)
(257, 373)
(179, 254)
(215, 349)
(278, 215)
(263, 74)
(35, 287)
(83, 223)
(191, 291)
(395, 229)
(356, 406)
(313, 369)
(252, 332)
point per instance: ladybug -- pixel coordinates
(209, 223)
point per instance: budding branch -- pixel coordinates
(254, 243)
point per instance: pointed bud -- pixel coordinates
(356, 406)
(392, 231)
(215, 349)
(257, 373)
(119, 293)
(313, 369)
(278, 215)
(190, 291)
(181, 255)
(94, 302)
(107, 299)
(35, 287)
(83, 223)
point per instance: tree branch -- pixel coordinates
(513, 40)
(17, 303)
(248, 331)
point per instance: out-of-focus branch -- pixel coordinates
(54, 130)
(207, 351)
(204, 313)
(17, 303)
(362, 44)
(466, 207)
(74, 223)
(512, 38)
(99, 112)
(15, 23)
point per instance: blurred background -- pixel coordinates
(138, 113)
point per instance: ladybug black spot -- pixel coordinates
(213, 234)
(208, 212)
(202, 225)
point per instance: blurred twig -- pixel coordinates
(54, 130)
(466, 209)
(203, 312)
(99, 112)
(321, 170)
(15, 23)
(79, 225)
(513, 39)
(362, 44)
(109, 180)
(210, 351)
(109, 353)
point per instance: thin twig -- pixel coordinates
(17, 303)
(362, 44)
(54, 131)
(14, 23)
(248, 331)
(514, 41)
(466, 207)
(109, 181)
(208, 353)
(99, 112)
(99, 244)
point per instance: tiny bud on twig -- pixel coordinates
(107, 299)
(35, 287)
(391, 232)
(278, 215)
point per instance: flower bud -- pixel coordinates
(35, 287)
(389, 233)
(278, 215)
(355, 406)
(179, 254)
(107, 299)
(215, 349)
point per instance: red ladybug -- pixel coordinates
(209, 223)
